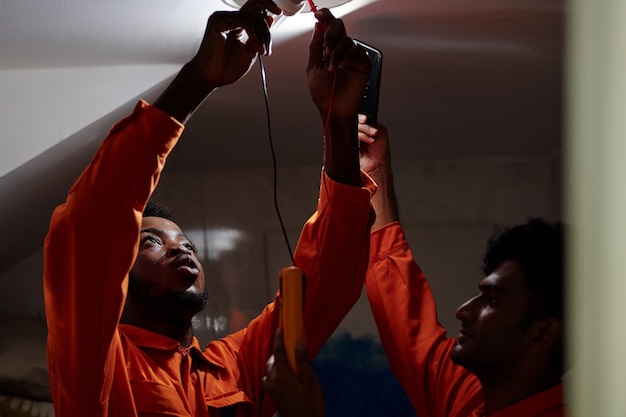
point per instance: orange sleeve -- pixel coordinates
(414, 341)
(332, 252)
(88, 252)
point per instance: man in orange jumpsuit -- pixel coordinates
(508, 357)
(121, 289)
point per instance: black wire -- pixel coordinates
(269, 129)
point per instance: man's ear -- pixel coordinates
(544, 334)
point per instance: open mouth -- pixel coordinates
(185, 264)
(190, 270)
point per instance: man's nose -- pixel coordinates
(178, 249)
(466, 310)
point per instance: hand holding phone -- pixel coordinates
(291, 283)
(369, 104)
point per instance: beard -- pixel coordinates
(144, 292)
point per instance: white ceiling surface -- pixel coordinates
(460, 79)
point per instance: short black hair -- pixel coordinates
(154, 209)
(538, 246)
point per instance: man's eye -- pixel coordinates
(152, 239)
(490, 300)
(191, 247)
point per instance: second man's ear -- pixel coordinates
(544, 333)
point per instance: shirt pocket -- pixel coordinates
(154, 399)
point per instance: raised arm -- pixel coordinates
(222, 57)
(334, 244)
(337, 73)
(402, 303)
(333, 248)
(375, 160)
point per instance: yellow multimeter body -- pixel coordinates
(291, 283)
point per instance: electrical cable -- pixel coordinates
(274, 168)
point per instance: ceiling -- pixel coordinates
(461, 79)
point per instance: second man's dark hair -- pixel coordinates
(538, 246)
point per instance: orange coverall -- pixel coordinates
(98, 367)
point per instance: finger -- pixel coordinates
(319, 48)
(307, 374)
(366, 133)
(256, 46)
(280, 356)
(265, 383)
(365, 128)
(233, 23)
(335, 29)
(261, 33)
(262, 7)
(316, 47)
(269, 379)
(352, 56)
(269, 365)
(341, 53)
(258, 28)
(324, 17)
(301, 353)
(365, 138)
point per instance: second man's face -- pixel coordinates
(491, 338)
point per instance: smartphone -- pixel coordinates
(291, 286)
(369, 104)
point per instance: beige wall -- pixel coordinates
(595, 205)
